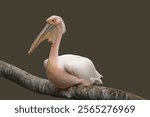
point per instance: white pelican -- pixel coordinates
(67, 70)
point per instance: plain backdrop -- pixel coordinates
(114, 35)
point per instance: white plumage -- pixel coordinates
(80, 67)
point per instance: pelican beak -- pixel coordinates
(40, 38)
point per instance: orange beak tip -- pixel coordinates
(29, 53)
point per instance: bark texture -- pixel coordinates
(44, 86)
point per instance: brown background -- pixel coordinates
(114, 35)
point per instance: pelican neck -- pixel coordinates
(54, 52)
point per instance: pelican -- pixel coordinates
(66, 70)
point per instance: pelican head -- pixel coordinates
(54, 27)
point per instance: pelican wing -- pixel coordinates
(80, 67)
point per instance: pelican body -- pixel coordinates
(67, 70)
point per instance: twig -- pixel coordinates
(44, 86)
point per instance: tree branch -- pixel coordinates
(44, 86)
